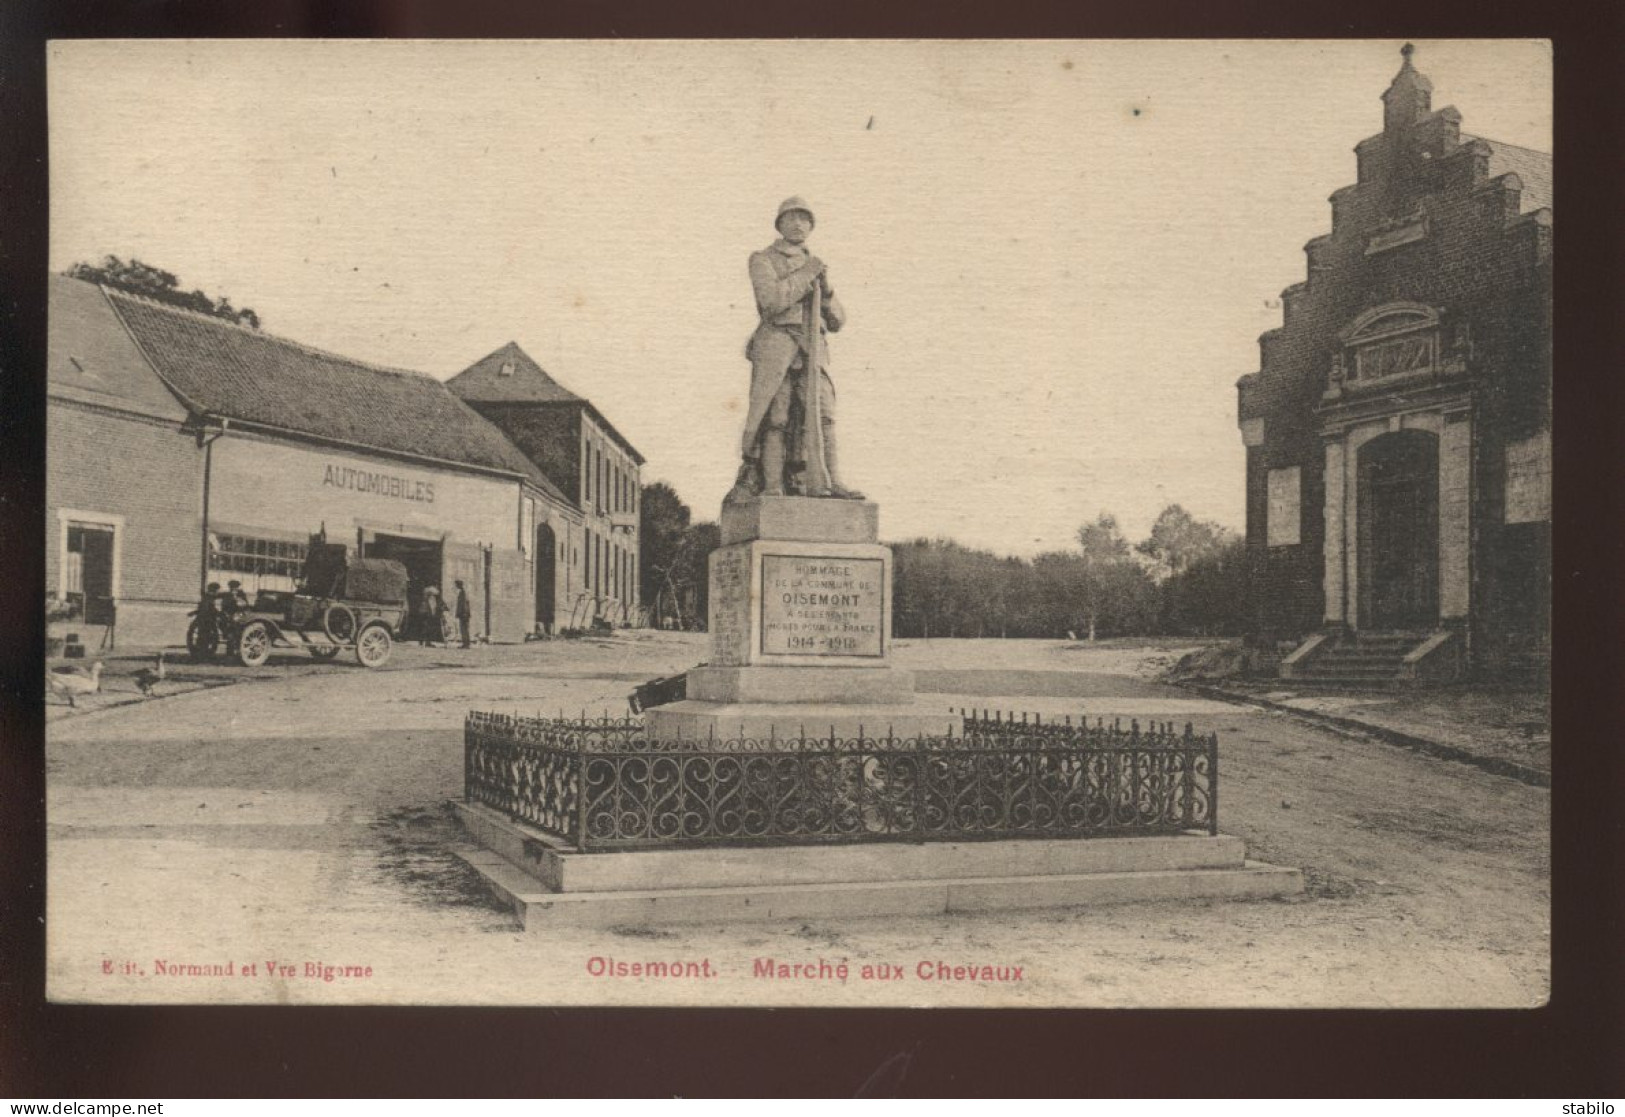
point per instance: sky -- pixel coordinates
(1055, 257)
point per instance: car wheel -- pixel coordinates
(254, 644)
(197, 647)
(373, 647)
(339, 623)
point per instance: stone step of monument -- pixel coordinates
(539, 910)
(554, 866)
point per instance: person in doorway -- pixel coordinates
(464, 613)
(431, 617)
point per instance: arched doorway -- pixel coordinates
(1398, 546)
(546, 554)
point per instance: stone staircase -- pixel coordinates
(1362, 659)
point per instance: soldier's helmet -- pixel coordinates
(791, 204)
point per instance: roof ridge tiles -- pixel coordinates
(265, 335)
(301, 389)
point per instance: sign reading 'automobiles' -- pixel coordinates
(383, 484)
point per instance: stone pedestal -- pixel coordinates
(800, 519)
(550, 885)
(800, 622)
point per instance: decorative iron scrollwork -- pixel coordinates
(605, 785)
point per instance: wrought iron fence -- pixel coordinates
(604, 784)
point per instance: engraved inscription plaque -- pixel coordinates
(825, 606)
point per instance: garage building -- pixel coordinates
(215, 451)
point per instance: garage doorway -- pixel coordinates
(423, 559)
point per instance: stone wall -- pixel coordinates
(146, 477)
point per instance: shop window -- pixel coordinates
(249, 555)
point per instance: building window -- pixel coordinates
(88, 572)
(1284, 515)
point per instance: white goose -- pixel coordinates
(71, 683)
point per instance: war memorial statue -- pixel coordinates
(798, 773)
(789, 444)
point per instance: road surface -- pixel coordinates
(287, 840)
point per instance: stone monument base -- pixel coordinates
(800, 519)
(760, 720)
(758, 683)
(549, 885)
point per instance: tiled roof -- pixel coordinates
(510, 376)
(90, 357)
(232, 371)
(1533, 168)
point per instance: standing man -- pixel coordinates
(783, 277)
(431, 623)
(463, 613)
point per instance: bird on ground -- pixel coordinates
(71, 683)
(147, 677)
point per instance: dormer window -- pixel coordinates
(506, 369)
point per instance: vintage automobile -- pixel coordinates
(342, 603)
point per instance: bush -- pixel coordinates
(58, 611)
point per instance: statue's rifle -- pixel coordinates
(815, 474)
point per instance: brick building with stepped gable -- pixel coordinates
(1398, 430)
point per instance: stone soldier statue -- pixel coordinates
(789, 282)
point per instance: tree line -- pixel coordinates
(139, 278)
(1184, 578)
